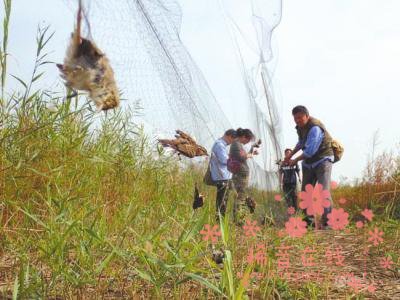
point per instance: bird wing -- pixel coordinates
(186, 136)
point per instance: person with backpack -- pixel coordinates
(219, 173)
(319, 152)
(237, 165)
(288, 175)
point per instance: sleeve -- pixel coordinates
(220, 153)
(314, 140)
(299, 144)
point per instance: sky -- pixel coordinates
(340, 58)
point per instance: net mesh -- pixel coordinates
(153, 68)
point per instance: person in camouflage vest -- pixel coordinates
(316, 143)
(240, 178)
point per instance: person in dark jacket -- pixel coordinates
(288, 175)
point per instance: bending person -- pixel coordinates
(238, 166)
(219, 171)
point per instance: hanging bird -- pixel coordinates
(255, 146)
(251, 204)
(87, 68)
(218, 256)
(185, 145)
(198, 199)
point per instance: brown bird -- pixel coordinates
(256, 145)
(218, 256)
(251, 204)
(185, 145)
(87, 68)
(198, 199)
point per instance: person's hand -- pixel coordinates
(287, 159)
(292, 162)
(243, 154)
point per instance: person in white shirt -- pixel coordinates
(219, 171)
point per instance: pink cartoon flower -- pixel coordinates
(371, 288)
(244, 278)
(296, 227)
(314, 199)
(342, 200)
(338, 219)
(281, 233)
(376, 236)
(368, 214)
(291, 210)
(251, 228)
(386, 262)
(359, 224)
(210, 233)
(355, 283)
(334, 185)
(278, 197)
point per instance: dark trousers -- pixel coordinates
(322, 175)
(222, 196)
(289, 190)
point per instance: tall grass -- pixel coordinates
(86, 201)
(4, 44)
(90, 206)
(378, 189)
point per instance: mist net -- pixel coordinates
(153, 68)
(251, 24)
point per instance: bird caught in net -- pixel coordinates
(87, 68)
(198, 199)
(153, 66)
(184, 144)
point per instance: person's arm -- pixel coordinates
(314, 140)
(296, 149)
